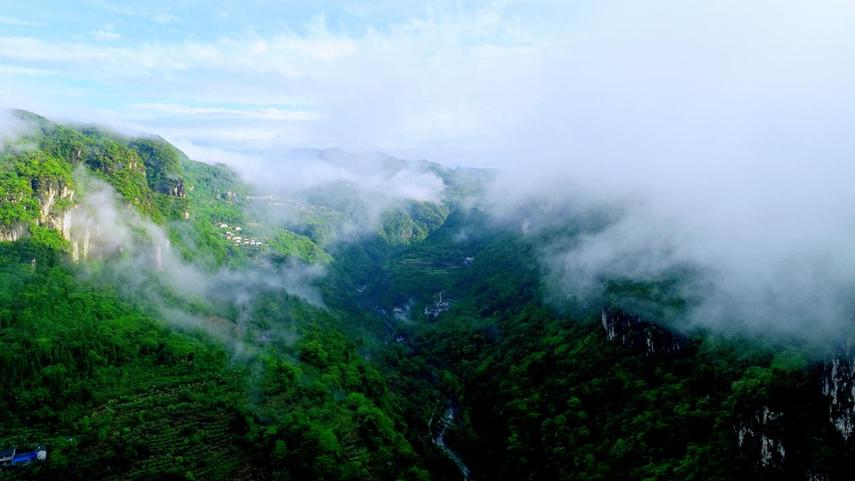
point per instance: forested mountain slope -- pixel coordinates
(162, 319)
(124, 372)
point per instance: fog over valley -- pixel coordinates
(489, 240)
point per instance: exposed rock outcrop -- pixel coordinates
(81, 241)
(838, 384)
(50, 194)
(177, 188)
(760, 437)
(11, 233)
(636, 333)
(50, 213)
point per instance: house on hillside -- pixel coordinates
(6, 457)
(12, 457)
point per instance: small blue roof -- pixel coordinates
(25, 457)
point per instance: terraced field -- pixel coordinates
(178, 430)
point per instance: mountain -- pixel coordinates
(161, 318)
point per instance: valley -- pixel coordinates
(421, 340)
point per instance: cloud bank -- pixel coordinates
(718, 135)
(375, 174)
(348, 193)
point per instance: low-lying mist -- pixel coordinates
(140, 263)
(11, 127)
(372, 173)
(719, 144)
(355, 188)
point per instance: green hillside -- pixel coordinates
(117, 388)
(428, 345)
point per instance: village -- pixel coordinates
(235, 235)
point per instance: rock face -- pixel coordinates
(638, 334)
(12, 232)
(81, 241)
(760, 436)
(838, 384)
(177, 188)
(50, 214)
(49, 196)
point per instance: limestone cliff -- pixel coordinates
(12, 232)
(55, 200)
(760, 437)
(837, 379)
(638, 334)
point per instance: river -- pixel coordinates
(439, 441)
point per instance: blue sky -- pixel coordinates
(473, 82)
(229, 78)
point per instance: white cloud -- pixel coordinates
(286, 55)
(10, 126)
(7, 20)
(269, 113)
(107, 35)
(87, 60)
(717, 130)
(164, 18)
(25, 71)
(248, 136)
(213, 155)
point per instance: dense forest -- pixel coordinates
(162, 319)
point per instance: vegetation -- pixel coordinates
(434, 309)
(289, 244)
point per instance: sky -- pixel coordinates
(724, 129)
(474, 82)
(231, 78)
